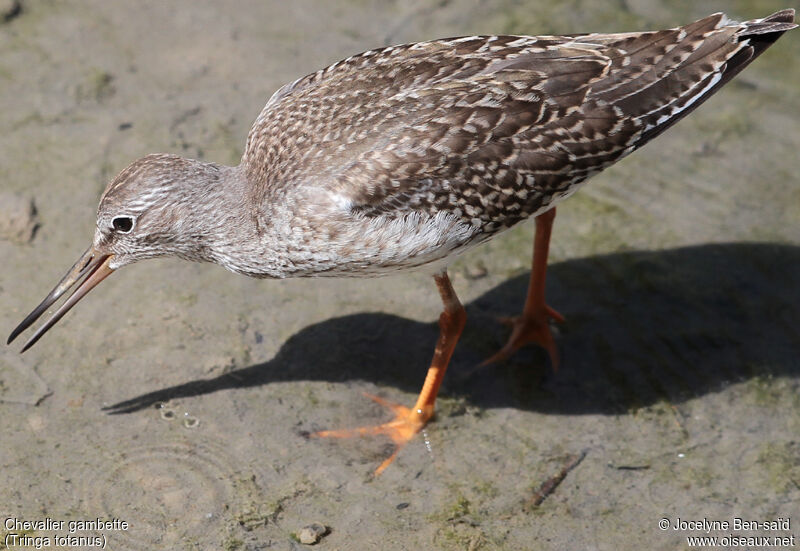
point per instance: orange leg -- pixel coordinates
(533, 326)
(409, 421)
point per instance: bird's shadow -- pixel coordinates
(641, 327)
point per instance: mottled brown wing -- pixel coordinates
(493, 148)
(378, 100)
(493, 129)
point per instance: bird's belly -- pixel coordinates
(362, 246)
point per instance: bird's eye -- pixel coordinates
(122, 224)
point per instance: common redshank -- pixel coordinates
(405, 156)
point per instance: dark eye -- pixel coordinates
(122, 224)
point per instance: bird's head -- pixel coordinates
(157, 206)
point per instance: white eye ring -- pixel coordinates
(123, 224)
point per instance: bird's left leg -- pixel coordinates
(409, 421)
(533, 326)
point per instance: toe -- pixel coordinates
(554, 314)
(407, 422)
(526, 330)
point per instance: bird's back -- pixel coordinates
(487, 129)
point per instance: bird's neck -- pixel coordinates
(223, 221)
(256, 232)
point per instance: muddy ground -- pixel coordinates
(175, 397)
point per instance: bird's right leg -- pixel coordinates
(533, 326)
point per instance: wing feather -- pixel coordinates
(490, 128)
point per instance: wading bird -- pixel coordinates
(405, 156)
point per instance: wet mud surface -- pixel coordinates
(177, 396)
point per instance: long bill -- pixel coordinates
(91, 268)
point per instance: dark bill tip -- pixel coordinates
(32, 317)
(91, 268)
(78, 270)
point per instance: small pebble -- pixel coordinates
(312, 533)
(17, 218)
